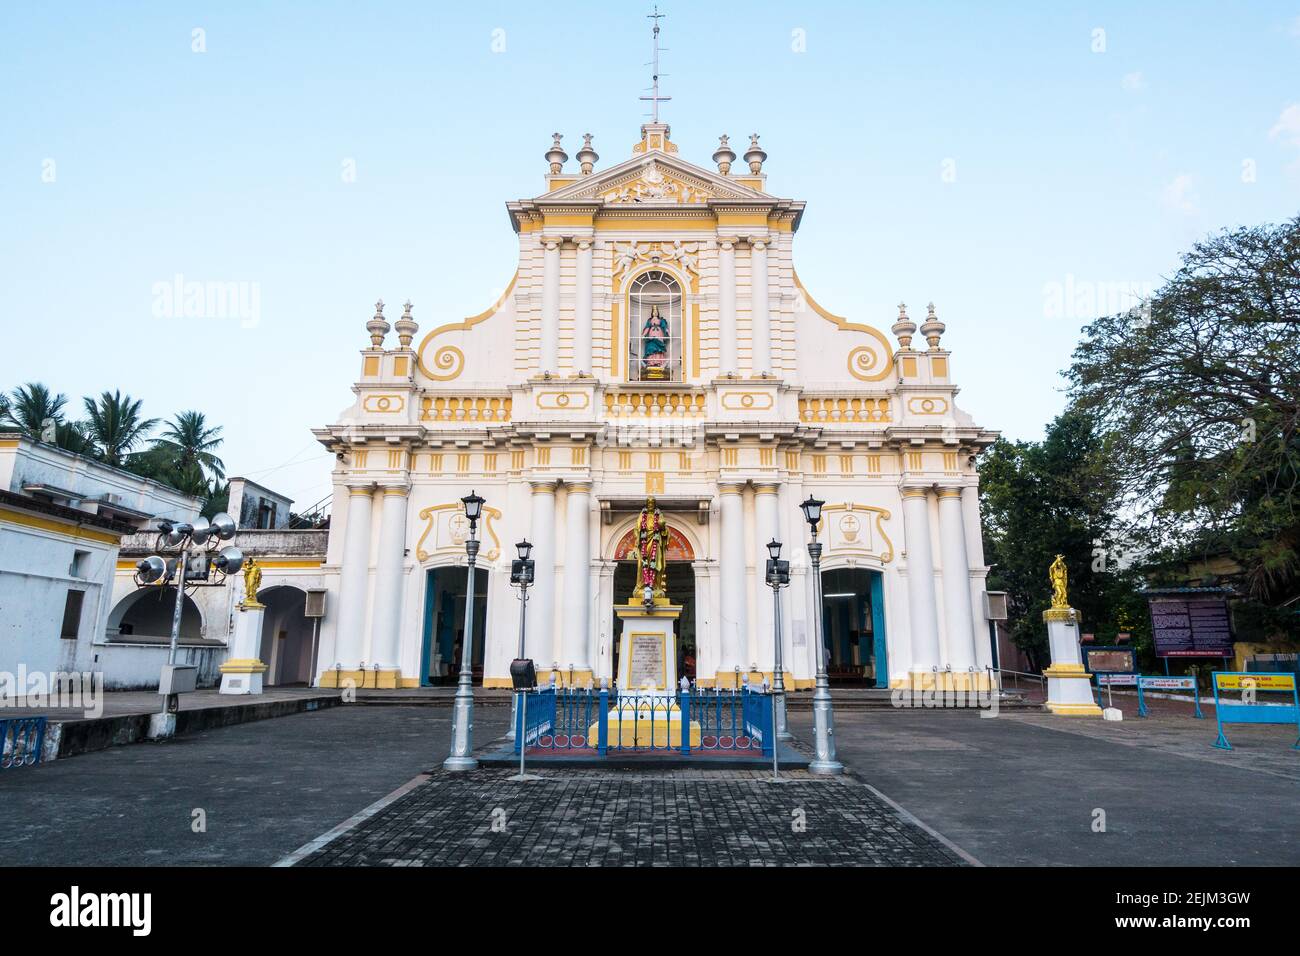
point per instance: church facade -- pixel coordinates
(655, 340)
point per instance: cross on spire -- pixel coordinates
(654, 97)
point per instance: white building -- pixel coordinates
(62, 521)
(564, 406)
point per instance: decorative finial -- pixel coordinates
(377, 327)
(406, 326)
(556, 156)
(724, 155)
(755, 155)
(904, 328)
(932, 328)
(587, 156)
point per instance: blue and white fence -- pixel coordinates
(600, 722)
(21, 740)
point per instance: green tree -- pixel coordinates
(1200, 396)
(115, 426)
(1041, 499)
(29, 406)
(193, 442)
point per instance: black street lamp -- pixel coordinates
(824, 761)
(778, 576)
(462, 726)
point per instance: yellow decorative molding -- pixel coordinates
(746, 401)
(850, 510)
(927, 405)
(561, 401)
(844, 325)
(448, 359)
(469, 408)
(429, 514)
(242, 666)
(56, 526)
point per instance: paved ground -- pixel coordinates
(634, 818)
(267, 788)
(1022, 789)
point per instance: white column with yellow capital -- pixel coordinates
(760, 310)
(577, 581)
(727, 346)
(385, 630)
(956, 593)
(920, 587)
(549, 347)
(767, 527)
(582, 311)
(541, 598)
(734, 624)
(354, 578)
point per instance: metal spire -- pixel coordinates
(654, 97)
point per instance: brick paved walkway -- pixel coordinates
(635, 818)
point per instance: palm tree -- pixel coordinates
(30, 405)
(189, 437)
(115, 426)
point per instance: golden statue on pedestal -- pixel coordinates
(651, 555)
(252, 584)
(1058, 575)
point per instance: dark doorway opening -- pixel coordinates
(681, 590)
(853, 621)
(444, 625)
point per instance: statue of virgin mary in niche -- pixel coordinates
(654, 346)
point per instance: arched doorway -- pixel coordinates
(288, 637)
(853, 623)
(681, 590)
(445, 595)
(146, 615)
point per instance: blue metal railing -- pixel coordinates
(597, 722)
(21, 740)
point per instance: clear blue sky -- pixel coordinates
(226, 165)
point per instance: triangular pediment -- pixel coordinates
(654, 178)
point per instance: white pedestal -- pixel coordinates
(647, 649)
(242, 673)
(1069, 691)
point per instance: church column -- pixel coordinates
(541, 599)
(727, 307)
(548, 359)
(761, 324)
(354, 576)
(734, 630)
(386, 635)
(956, 585)
(920, 585)
(582, 311)
(577, 580)
(767, 527)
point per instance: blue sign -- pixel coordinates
(1246, 710)
(1168, 683)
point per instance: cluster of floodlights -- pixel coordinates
(199, 533)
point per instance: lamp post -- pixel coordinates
(778, 576)
(462, 717)
(521, 576)
(188, 537)
(824, 761)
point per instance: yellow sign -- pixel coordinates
(1257, 681)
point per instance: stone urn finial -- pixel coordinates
(932, 328)
(556, 156)
(904, 328)
(755, 155)
(724, 155)
(587, 156)
(406, 326)
(378, 327)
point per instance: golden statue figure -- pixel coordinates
(1058, 576)
(252, 584)
(651, 555)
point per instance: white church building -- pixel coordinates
(655, 339)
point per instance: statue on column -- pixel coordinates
(651, 554)
(1058, 575)
(252, 584)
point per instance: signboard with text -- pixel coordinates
(1190, 626)
(1105, 659)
